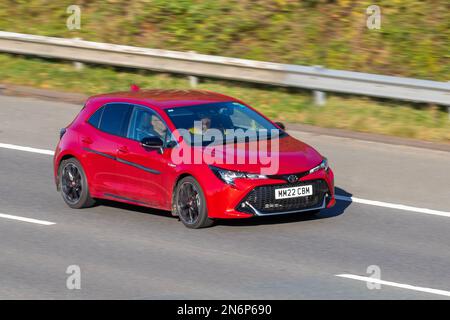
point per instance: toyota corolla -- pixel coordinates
(198, 154)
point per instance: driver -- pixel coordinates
(150, 125)
(206, 124)
(158, 126)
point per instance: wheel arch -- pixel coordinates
(64, 157)
(177, 180)
(185, 174)
(199, 177)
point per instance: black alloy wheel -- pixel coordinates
(73, 184)
(190, 204)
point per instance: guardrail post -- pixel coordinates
(193, 80)
(78, 65)
(320, 97)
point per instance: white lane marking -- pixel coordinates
(27, 149)
(395, 284)
(394, 206)
(338, 197)
(43, 222)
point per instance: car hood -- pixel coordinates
(290, 156)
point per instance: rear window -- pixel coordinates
(114, 119)
(95, 118)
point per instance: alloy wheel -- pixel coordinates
(71, 183)
(188, 202)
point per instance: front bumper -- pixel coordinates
(248, 198)
(261, 200)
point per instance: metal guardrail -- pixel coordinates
(194, 64)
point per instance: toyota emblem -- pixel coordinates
(292, 178)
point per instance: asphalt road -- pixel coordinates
(127, 252)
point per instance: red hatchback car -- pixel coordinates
(199, 154)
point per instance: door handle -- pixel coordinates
(86, 140)
(122, 149)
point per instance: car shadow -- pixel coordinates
(135, 208)
(338, 209)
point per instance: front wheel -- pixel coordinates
(73, 184)
(190, 204)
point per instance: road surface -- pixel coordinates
(398, 224)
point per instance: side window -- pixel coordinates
(146, 123)
(95, 118)
(114, 119)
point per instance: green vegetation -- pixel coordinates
(414, 39)
(354, 113)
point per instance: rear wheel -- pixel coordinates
(190, 204)
(73, 184)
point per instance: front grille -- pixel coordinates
(262, 198)
(299, 175)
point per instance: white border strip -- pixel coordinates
(394, 206)
(27, 149)
(42, 222)
(395, 284)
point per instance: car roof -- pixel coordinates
(165, 98)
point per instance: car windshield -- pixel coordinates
(224, 122)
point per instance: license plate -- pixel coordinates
(293, 192)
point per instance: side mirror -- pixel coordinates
(152, 143)
(281, 125)
(171, 144)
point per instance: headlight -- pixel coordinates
(228, 176)
(323, 165)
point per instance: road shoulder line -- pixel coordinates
(394, 206)
(24, 219)
(395, 284)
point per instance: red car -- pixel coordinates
(163, 149)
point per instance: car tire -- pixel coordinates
(190, 204)
(73, 184)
